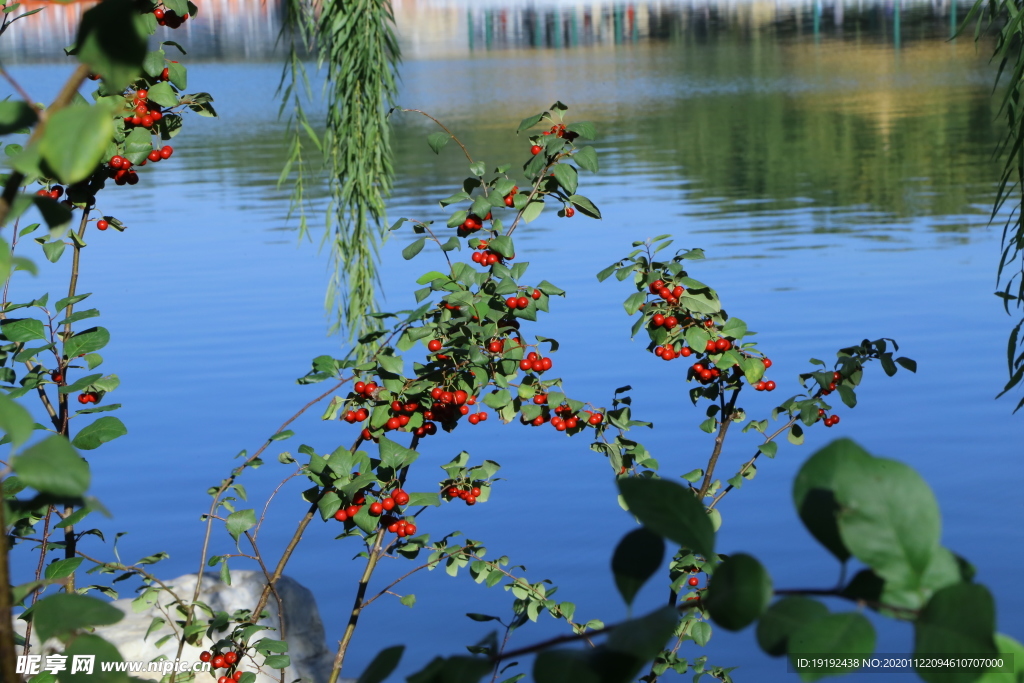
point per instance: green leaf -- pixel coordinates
(1013, 674)
(529, 122)
(502, 245)
(958, 621)
(395, 456)
(268, 645)
(567, 177)
(16, 115)
(585, 205)
(783, 618)
(560, 666)
(75, 141)
(437, 141)
(587, 159)
(632, 304)
(382, 665)
(154, 63)
(22, 329)
(668, 509)
(93, 339)
(237, 523)
(163, 94)
(739, 593)
(637, 557)
(62, 568)
(533, 210)
(53, 467)
(137, 145)
(110, 42)
(814, 493)
(15, 421)
(585, 129)
(414, 248)
(277, 661)
(769, 448)
(839, 636)
(53, 250)
(99, 432)
(100, 652)
(888, 518)
(67, 612)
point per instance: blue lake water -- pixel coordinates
(834, 162)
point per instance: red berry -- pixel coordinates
(367, 434)
(393, 423)
(376, 508)
(512, 302)
(158, 13)
(693, 581)
(166, 151)
(710, 346)
(767, 362)
(154, 156)
(723, 345)
(341, 515)
(535, 149)
(769, 385)
(434, 345)
(362, 414)
(657, 320)
(102, 224)
(595, 419)
(569, 212)
(523, 302)
(685, 352)
(388, 503)
(165, 75)
(400, 496)
(470, 500)
(536, 294)
(117, 161)
(230, 657)
(410, 529)
(205, 656)
(225, 679)
(238, 675)
(218, 662)
(759, 386)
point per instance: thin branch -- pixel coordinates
(443, 127)
(40, 115)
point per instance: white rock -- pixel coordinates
(311, 661)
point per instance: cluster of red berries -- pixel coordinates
(449, 405)
(558, 130)
(86, 396)
(836, 379)
(120, 169)
(533, 362)
(169, 18)
(473, 223)
(522, 302)
(224, 660)
(145, 112)
(465, 492)
(510, 198)
(55, 192)
(670, 352)
(829, 420)
(484, 256)
(705, 372)
(559, 421)
(670, 296)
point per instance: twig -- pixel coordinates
(357, 606)
(7, 653)
(444, 128)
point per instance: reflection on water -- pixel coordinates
(249, 29)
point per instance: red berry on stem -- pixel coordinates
(341, 515)
(693, 581)
(767, 362)
(102, 224)
(205, 656)
(166, 151)
(230, 657)
(434, 345)
(569, 212)
(218, 662)
(536, 149)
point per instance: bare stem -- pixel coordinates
(357, 607)
(7, 653)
